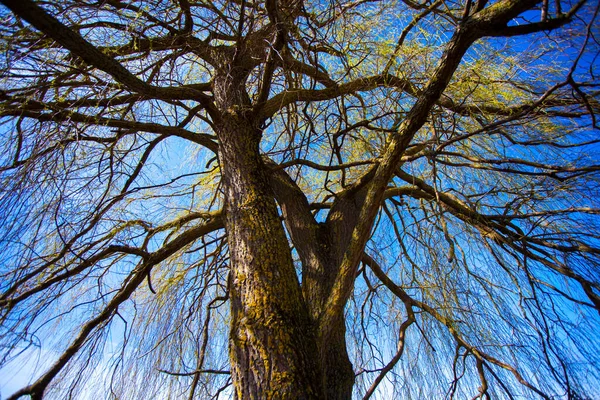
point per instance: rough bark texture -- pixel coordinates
(273, 346)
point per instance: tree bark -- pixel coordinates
(273, 349)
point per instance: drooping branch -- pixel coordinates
(503, 231)
(448, 323)
(410, 319)
(131, 283)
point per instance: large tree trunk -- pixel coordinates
(273, 347)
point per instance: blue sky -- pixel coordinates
(174, 157)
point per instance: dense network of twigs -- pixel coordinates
(481, 274)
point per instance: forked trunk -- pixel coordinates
(339, 375)
(320, 249)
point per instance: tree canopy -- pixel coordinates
(301, 199)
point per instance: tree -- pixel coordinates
(289, 199)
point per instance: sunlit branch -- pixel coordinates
(319, 167)
(405, 33)
(282, 100)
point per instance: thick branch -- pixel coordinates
(65, 116)
(76, 44)
(362, 84)
(498, 14)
